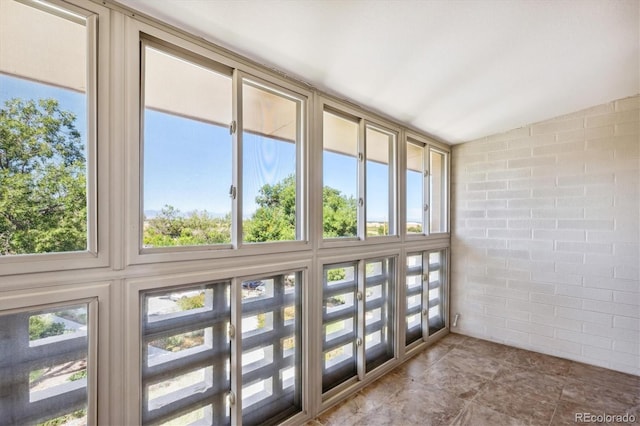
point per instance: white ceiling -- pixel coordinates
(458, 70)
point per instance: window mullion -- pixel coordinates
(393, 179)
(360, 336)
(425, 295)
(426, 228)
(237, 128)
(362, 184)
(236, 351)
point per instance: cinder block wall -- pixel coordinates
(545, 238)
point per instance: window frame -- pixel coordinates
(96, 296)
(362, 377)
(428, 146)
(97, 149)
(365, 121)
(136, 254)
(134, 337)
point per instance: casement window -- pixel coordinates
(358, 319)
(426, 294)
(219, 351)
(426, 189)
(220, 155)
(48, 125)
(45, 364)
(359, 178)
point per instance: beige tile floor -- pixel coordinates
(466, 381)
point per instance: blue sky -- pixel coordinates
(187, 163)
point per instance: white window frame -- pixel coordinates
(133, 338)
(428, 146)
(136, 254)
(364, 121)
(96, 296)
(97, 145)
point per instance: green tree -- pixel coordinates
(339, 214)
(275, 218)
(43, 202)
(171, 228)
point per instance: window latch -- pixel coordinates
(360, 156)
(231, 331)
(231, 398)
(232, 192)
(358, 341)
(425, 312)
(232, 127)
(359, 295)
(361, 201)
(426, 173)
(426, 207)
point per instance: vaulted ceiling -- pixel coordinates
(458, 69)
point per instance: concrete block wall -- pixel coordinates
(545, 236)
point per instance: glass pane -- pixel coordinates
(43, 122)
(379, 304)
(340, 177)
(271, 349)
(436, 292)
(43, 359)
(187, 164)
(186, 354)
(270, 140)
(415, 188)
(437, 204)
(413, 314)
(339, 316)
(379, 179)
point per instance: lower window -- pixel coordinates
(357, 321)
(188, 338)
(425, 278)
(44, 365)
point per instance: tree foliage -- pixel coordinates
(171, 228)
(43, 203)
(275, 218)
(339, 214)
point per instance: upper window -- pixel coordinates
(426, 189)
(359, 178)
(187, 170)
(44, 123)
(271, 204)
(416, 205)
(340, 176)
(209, 179)
(380, 181)
(438, 191)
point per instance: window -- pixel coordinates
(271, 146)
(271, 349)
(438, 191)
(358, 312)
(187, 151)
(46, 104)
(186, 353)
(380, 180)
(340, 176)
(359, 178)
(426, 189)
(210, 179)
(425, 278)
(188, 338)
(416, 171)
(44, 365)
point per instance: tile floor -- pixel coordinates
(465, 381)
